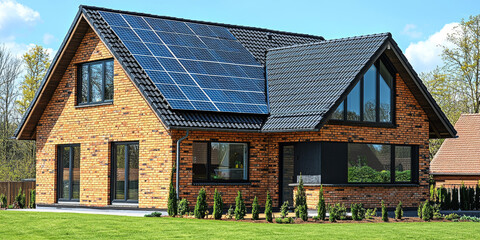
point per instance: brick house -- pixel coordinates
(239, 108)
(458, 159)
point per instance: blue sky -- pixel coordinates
(417, 26)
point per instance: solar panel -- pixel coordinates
(195, 66)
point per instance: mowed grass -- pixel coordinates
(36, 225)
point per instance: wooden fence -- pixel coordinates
(10, 189)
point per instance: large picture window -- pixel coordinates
(379, 163)
(371, 99)
(125, 172)
(95, 82)
(68, 175)
(220, 162)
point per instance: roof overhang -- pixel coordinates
(27, 126)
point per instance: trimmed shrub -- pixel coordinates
(471, 198)
(284, 210)
(333, 212)
(183, 208)
(455, 202)
(201, 206)
(255, 210)
(321, 208)
(419, 210)
(172, 207)
(463, 197)
(3, 201)
(452, 216)
(370, 213)
(217, 205)
(477, 197)
(19, 199)
(399, 211)
(230, 212)
(433, 193)
(448, 200)
(284, 220)
(268, 208)
(32, 199)
(154, 214)
(427, 211)
(240, 209)
(301, 202)
(358, 212)
(384, 212)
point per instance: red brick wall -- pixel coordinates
(264, 158)
(129, 118)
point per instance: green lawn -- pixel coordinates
(35, 225)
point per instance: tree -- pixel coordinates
(445, 93)
(10, 157)
(172, 207)
(37, 62)
(217, 205)
(255, 209)
(268, 208)
(461, 56)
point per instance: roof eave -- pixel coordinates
(19, 133)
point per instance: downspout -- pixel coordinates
(177, 165)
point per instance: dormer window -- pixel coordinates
(95, 83)
(371, 99)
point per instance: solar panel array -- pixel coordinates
(195, 66)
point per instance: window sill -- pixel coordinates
(94, 104)
(358, 185)
(221, 183)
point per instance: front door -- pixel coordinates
(125, 172)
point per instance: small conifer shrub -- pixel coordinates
(268, 208)
(321, 208)
(183, 207)
(172, 207)
(255, 209)
(217, 205)
(384, 212)
(399, 211)
(301, 210)
(240, 209)
(427, 211)
(284, 210)
(201, 206)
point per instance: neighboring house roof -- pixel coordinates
(461, 155)
(336, 65)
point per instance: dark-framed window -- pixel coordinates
(125, 166)
(95, 83)
(68, 172)
(372, 98)
(381, 163)
(220, 162)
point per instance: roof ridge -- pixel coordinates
(321, 38)
(387, 34)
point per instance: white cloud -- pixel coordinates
(410, 30)
(13, 13)
(48, 38)
(425, 55)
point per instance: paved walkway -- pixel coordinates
(132, 213)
